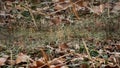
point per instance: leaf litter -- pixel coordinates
(64, 55)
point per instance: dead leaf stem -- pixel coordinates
(86, 48)
(70, 5)
(33, 18)
(74, 10)
(55, 59)
(45, 56)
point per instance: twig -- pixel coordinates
(55, 59)
(33, 18)
(39, 12)
(70, 5)
(86, 48)
(74, 10)
(108, 10)
(11, 57)
(60, 9)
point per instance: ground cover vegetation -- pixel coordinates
(60, 33)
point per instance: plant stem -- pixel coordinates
(86, 48)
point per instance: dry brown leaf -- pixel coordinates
(63, 46)
(52, 66)
(3, 60)
(109, 47)
(1, 46)
(99, 60)
(61, 0)
(37, 64)
(56, 62)
(63, 6)
(118, 47)
(9, 3)
(84, 65)
(64, 66)
(77, 5)
(22, 58)
(11, 62)
(11, 0)
(116, 8)
(19, 7)
(98, 9)
(45, 56)
(75, 11)
(55, 0)
(58, 7)
(82, 3)
(56, 20)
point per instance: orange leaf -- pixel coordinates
(45, 56)
(37, 63)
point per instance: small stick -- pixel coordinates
(74, 10)
(70, 5)
(33, 18)
(11, 57)
(86, 48)
(55, 59)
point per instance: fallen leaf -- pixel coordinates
(63, 46)
(22, 58)
(55, 0)
(98, 9)
(11, 62)
(82, 3)
(3, 60)
(45, 56)
(99, 60)
(2, 47)
(64, 66)
(58, 7)
(56, 20)
(116, 8)
(38, 63)
(84, 65)
(57, 62)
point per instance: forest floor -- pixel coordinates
(60, 34)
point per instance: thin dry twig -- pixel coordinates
(74, 10)
(70, 5)
(86, 48)
(33, 18)
(55, 59)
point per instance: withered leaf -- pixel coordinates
(22, 58)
